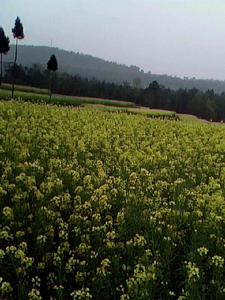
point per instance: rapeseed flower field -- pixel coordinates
(100, 205)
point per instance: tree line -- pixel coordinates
(207, 105)
(87, 66)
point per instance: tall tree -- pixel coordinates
(52, 66)
(4, 48)
(18, 34)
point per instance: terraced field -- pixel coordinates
(38, 95)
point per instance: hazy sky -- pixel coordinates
(178, 37)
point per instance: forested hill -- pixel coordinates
(89, 67)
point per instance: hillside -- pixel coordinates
(89, 66)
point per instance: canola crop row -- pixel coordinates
(95, 205)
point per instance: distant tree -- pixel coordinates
(154, 87)
(210, 109)
(18, 34)
(4, 48)
(154, 93)
(52, 66)
(137, 83)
